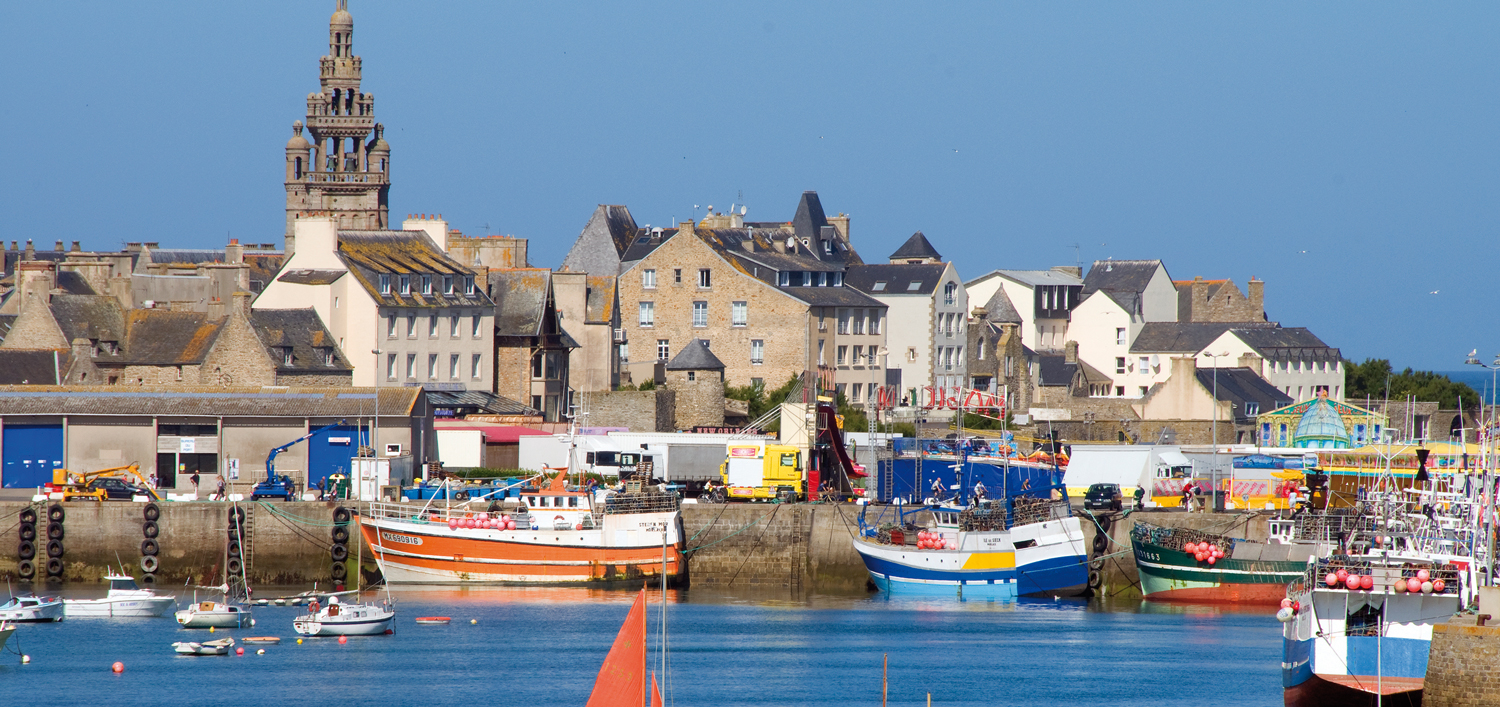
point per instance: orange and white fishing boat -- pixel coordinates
(556, 535)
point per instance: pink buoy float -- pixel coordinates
(1424, 575)
(1367, 582)
(1439, 585)
(1413, 585)
(1331, 580)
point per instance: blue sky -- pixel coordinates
(1225, 139)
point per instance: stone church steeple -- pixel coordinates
(340, 169)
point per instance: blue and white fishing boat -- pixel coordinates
(1001, 549)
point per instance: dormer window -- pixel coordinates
(836, 279)
(286, 355)
(784, 279)
(405, 284)
(426, 284)
(326, 353)
(448, 285)
(827, 247)
(385, 284)
(469, 284)
(822, 279)
(807, 279)
(879, 287)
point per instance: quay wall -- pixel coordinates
(1463, 664)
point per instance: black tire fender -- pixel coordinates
(341, 515)
(26, 550)
(150, 529)
(26, 568)
(28, 531)
(149, 563)
(55, 513)
(152, 512)
(235, 550)
(54, 567)
(54, 549)
(340, 553)
(235, 565)
(149, 547)
(148, 578)
(28, 515)
(1096, 580)
(339, 571)
(340, 535)
(55, 531)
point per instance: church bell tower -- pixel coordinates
(339, 168)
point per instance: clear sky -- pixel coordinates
(1343, 152)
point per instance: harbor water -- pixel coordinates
(544, 646)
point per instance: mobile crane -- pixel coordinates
(283, 486)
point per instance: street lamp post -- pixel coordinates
(1490, 458)
(1215, 471)
(375, 428)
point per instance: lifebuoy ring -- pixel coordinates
(149, 547)
(26, 550)
(340, 553)
(152, 512)
(149, 563)
(150, 529)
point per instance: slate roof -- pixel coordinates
(1128, 301)
(604, 241)
(311, 277)
(303, 331)
(1120, 275)
(73, 283)
(158, 337)
(19, 367)
(269, 402)
(520, 297)
(93, 317)
(643, 242)
(369, 253)
(1036, 278)
(1184, 337)
(898, 278)
(832, 296)
(1054, 370)
(480, 402)
(600, 306)
(1277, 343)
(695, 356)
(809, 220)
(263, 268)
(1242, 385)
(6, 322)
(1000, 310)
(916, 247)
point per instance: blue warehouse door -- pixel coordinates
(329, 452)
(31, 453)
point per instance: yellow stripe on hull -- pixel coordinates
(991, 561)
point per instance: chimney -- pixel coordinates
(840, 223)
(980, 313)
(1074, 270)
(35, 279)
(215, 309)
(685, 227)
(316, 239)
(1253, 362)
(59, 247)
(14, 246)
(435, 227)
(1070, 352)
(1197, 311)
(30, 250)
(234, 253)
(241, 306)
(1256, 289)
(77, 247)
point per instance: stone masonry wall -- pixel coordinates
(699, 401)
(772, 546)
(639, 411)
(1463, 664)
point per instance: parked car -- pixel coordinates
(1104, 497)
(117, 489)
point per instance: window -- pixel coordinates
(477, 359)
(757, 352)
(949, 291)
(914, 286)
(1010, 366)
(335, 303)
(1145, 364)
(448, 285)
(739, 313)
(648, 278)
(807, 279)
(677, 276)
(1252, 408)
(432, 326)
(822, 279)
(663, 350)
(705, 278)
(874, 322)
(700, 314)
(859, 355)
(1119, 364)
(982, 342)
(648, 314)
(822, 346)
(784, 278)
(859, 321)
(1120, 391)
(390, 367)
(453, 326)
(856, 392)
(838, 388)
(476, 326)
(911, 353)
(948, 358)
(453, 367)
(692, 375)
(1144, 390)
(405, 284)
(879, 287)
(469, 284)
(286, 356)
(426, 284)
(843, 317)
(948, 323)
(411, 326)
(838, 354)
(432, 367)
(1297, 365)
(1120, 336)
(836, 279)
(625, 352)
(385, 283)
(390, 326)
(411, 366)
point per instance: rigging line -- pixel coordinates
(722, 507)
(742, 529)
(754, 547)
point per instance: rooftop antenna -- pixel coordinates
(1077, 255)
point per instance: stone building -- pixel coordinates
(696, 376)
(928, 308)
(998, 364)
(767, 296)
(341, 171)
(1044, 299)
(589, 307)
(400, 309)
(1200, 300)
(532, 349)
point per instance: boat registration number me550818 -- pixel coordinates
(1147, 556)
(402, 539)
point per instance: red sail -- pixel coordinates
(622, 678)
(655, 691)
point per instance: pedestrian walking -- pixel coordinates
(194, 481)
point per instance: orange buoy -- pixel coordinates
(118, 667)
(343, 640)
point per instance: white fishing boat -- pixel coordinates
(219, 647)
(345, 619)
(215, 614)
(125, 599)
(30, 607)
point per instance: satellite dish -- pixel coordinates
(743, 209)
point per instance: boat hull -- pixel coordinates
(417, 552)
(42, 613)
(1042, 569)
(366, 627)
(194, 618)
(118, 608)
(1354, 691)
(1173, 575)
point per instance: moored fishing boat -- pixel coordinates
(124, 600)
(1034, 548)
(215, 614)
(556, 535)
(345, 619)
(32, 608)
(1182, 564)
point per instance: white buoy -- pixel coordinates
(25, 659)
(261, 652)
(1284, 614)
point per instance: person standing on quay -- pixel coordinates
(194, 481)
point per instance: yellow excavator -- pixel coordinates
(86, 486)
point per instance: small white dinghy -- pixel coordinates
(30, 607)
(344, 619)
(219, 647)
(125, 599)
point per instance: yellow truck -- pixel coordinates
(757, 471)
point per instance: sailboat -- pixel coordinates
(622, 678)
(233, 611)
